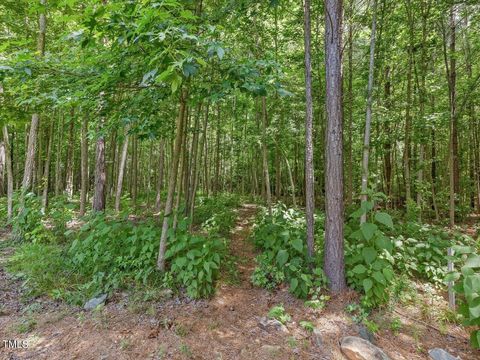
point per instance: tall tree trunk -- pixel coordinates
(2, 167)
(46, 172)
(84, 165)
(408, 115)
(161, 162)
(266, 173)
(70, 156)
(121, 172)
(349, 167)
(100, 171)
(58, 161)
(216, 181)
(197, 172)
(34, 124)
(387, 154)
(309, 172)
(334, 257)
(368, 120)
(9, 170)
(172, 181)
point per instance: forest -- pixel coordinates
(240, 179)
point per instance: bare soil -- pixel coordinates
(224, 327)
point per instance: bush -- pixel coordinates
(468, 287)
(29, 223)
(216, 215)
(368, 256)
(282, 239)
(107, 254)
(195, 261)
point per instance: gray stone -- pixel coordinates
(440, 354)
(270, 350)
(269, 324)
(355, 348)
(317, 337)
(94, 302)
(366, 334)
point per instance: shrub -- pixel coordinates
(195, 261)
(468, 287)
(282, 239)
(368, 256)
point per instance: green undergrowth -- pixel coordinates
(283, 259)
(108, 252)
(376, 252)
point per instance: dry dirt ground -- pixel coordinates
(224, 327)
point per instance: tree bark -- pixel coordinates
(161, 162)
(70, 157)
(9, 170)
(309, 171)
(334, 257)
(121, 172)
(100, 170)
(266, 173)
(368, 121)
(46, 172)
(172, 181)
(84, 165)
(58, 161)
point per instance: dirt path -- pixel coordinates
(224, 327)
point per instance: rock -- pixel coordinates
(166, 293)
(270, 350)
(93, 303)
(366, 334)
(317, 337)
(269, 324)
(355, 348)
(440, 354)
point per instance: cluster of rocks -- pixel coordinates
(353, 347)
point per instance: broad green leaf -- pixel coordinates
(297, 245)
(384, 218)
(369, 254)
(473, 261)
(359, 269)
(368, 230)
(293, 284)
(379, 277)
(282, 257)
(367, 285)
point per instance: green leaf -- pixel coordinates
(462, 249)
(388, 273)
(282, 257)
(220, 52)
(379, 277)
(369, 254)
(384, 218)
(367, 285)
(359, 269)
(384, 243)
(297, 245)
(473, 261)
(368, 230)
(293, 284)
(452, 276)
(475, 339)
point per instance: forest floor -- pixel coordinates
(224, 327)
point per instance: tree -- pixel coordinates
(334, 257)
(309, 173)
(368, 121)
